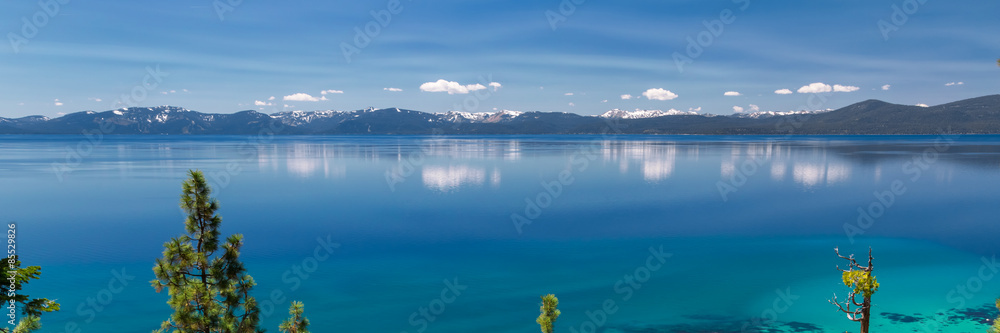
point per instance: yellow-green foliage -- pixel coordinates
(549, 313)
(995, 328)
(863, 282)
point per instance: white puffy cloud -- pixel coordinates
(815, 88)
(783, 92)
(737, 109)
(659, 94)
(331, 91)
(754, 108)
(697, 109)
(451, 87)
(886, 87)
(392, 89)
(270, 98)
(58, 103)
(923, 105)
(626, 96)
(496, 85)
(732, 93)
(323, 98)
(954, 83)
(840, 88)
(300, 97)
(259, 103)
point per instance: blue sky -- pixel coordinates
(85, 55)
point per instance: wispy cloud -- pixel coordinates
(840, 88)
(659, 94)
(815, 88)
(300, 97)
(954, 83)
(626, 96)
(331, 91)
(58, 103)
(737, 109)
(451, 87)
(820, 87)
(392, 89)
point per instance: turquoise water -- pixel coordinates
(668, 234)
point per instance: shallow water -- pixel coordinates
(747, 227)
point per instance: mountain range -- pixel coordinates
(979, 115)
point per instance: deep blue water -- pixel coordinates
(748, 225)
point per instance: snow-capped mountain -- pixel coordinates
(298, 118)
(976, 115)
(479, 117)
(768, 114)
(643, 114)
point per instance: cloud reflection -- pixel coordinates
(446, 179)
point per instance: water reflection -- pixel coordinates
(452, 177)
(809, 166)
(658, 159)
(308, 160)
(813, 174)
(807, 162)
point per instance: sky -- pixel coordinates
(579, 56)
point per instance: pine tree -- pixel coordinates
(208, 286)
(31, 309)
(862, 282)
(296, 323)
(547, 318)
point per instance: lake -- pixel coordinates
(464, 233)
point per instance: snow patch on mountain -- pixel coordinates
(479, 117)
(642, 114)
(296, 118)
(768, 114)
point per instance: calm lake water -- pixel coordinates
(464, 233)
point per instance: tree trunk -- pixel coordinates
(866, 309)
